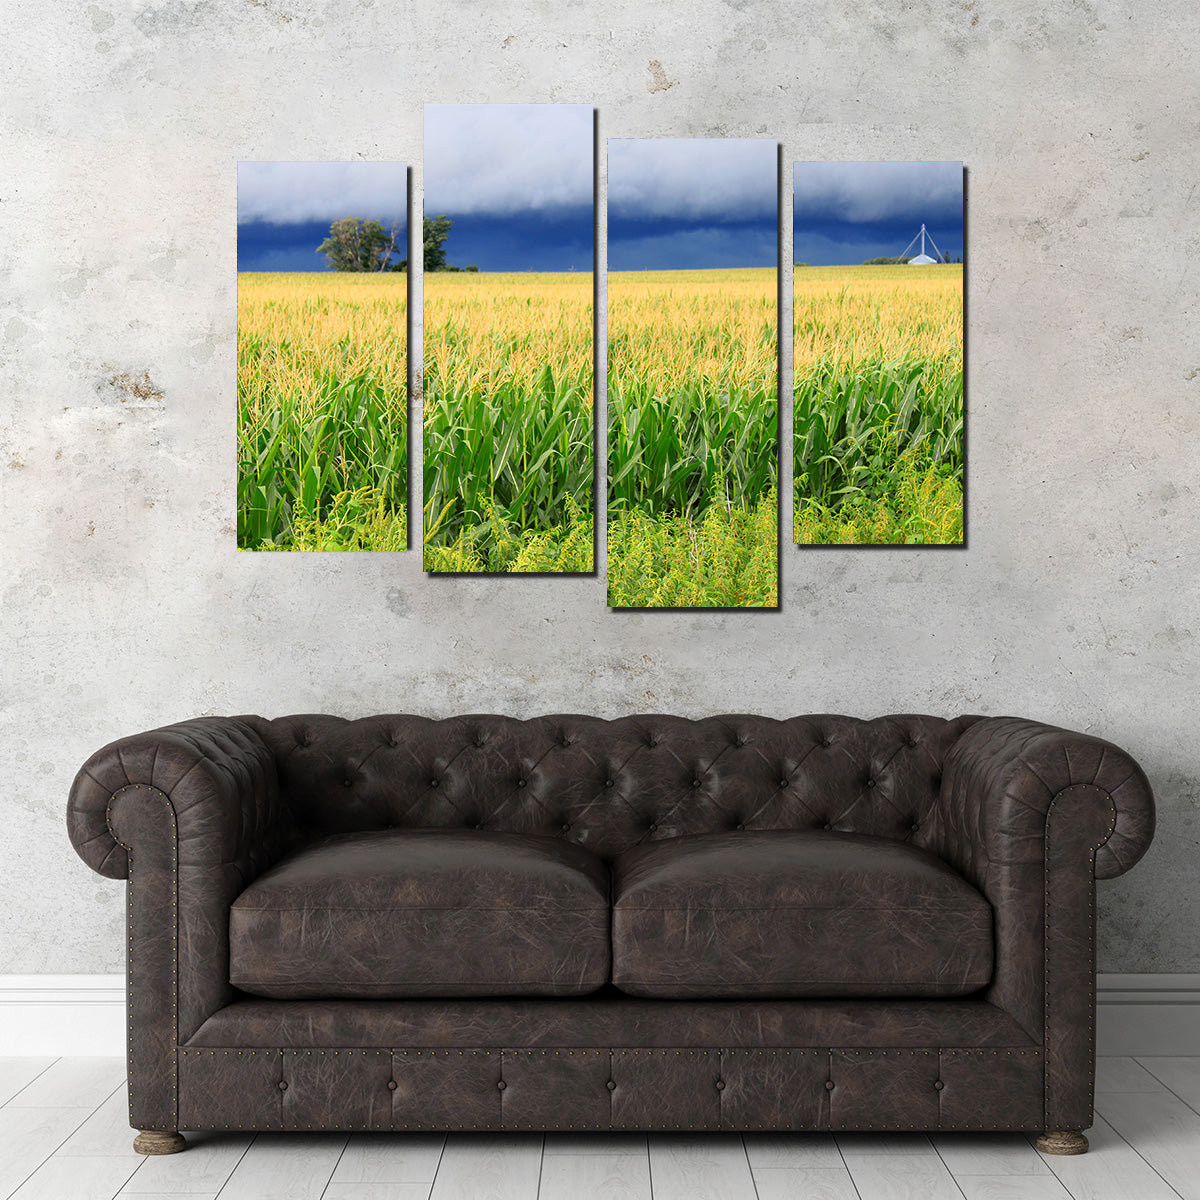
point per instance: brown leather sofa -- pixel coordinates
(735, 923)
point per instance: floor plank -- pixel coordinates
(902, 1177)
(390, 1158)
(106, 1132)
(891, 1144)
(1012, 1187)
(488, 1168)
(72, 1083)
(1163, 1130)
(1181, 1075)
(713, 1167)
(988, 1154)
(1124, 1075)
(611, 1176)
(16, 1073)
(284, 1166)
(204, 1167)
(95, 1177)
(376, 1191)
(808, 1150)
(809, 1183)
(1110, 1170)
(620, 1144)
(28, 1136)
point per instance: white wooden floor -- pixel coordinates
(64, 1136)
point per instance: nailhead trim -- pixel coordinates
(1112, 824)
(153, 791)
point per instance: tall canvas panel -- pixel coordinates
(322, 356)
(878, 353)
(693, 447)
(508, 237)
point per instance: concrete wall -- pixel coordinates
(126, 605)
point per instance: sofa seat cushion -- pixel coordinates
(795, 914)
(401, 913)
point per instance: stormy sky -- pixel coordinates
(847, 212)
(690, 203)
(516, 180)
(285, 208)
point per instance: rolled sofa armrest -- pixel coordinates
(189, 814)
(218, 775)
(1003, 775)
(1032, 816)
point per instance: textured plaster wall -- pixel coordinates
(125, 604)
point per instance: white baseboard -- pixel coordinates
(85, 1014)
(1148, 1014)
(62, 1014)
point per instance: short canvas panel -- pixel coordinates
(508, 325)
(322, 368)
(693, 442)
(878, 353)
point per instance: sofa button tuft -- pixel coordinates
(739, 825)
(827, 825)
(720, 1085)
(283, 1085)
(784, 782)
(939, 1085)
(392, 1085)
(611, 1085)
(827, 741)
(829, 1085)
(695, 783)
(434, 782)
(521, 782)
(478, 824)
(347, 783)
(566, 825)
(870, 783)
(501, 1085)
(608, 783)
(652, 828)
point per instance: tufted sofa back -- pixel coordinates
(609, 785)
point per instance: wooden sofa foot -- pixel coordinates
(159, 1141)
(1062, 1141)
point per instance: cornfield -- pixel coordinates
(692, 434)
(878, 403)
(508, 415)
(322, 409)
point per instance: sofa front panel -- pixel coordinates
(774, 1089)
(618, 1088)
(994, 1089)
(446, 1089)
(610, 785)
(537, 1083)
(671, 1088)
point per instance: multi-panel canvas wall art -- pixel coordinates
(322, 354)
(878, 353)
(508, 338)
(693, 441)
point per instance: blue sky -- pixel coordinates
(517, 180)
(847, 212)
(692, 203)
(285, 208)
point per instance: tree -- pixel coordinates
(434, 232)
(357, 245)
